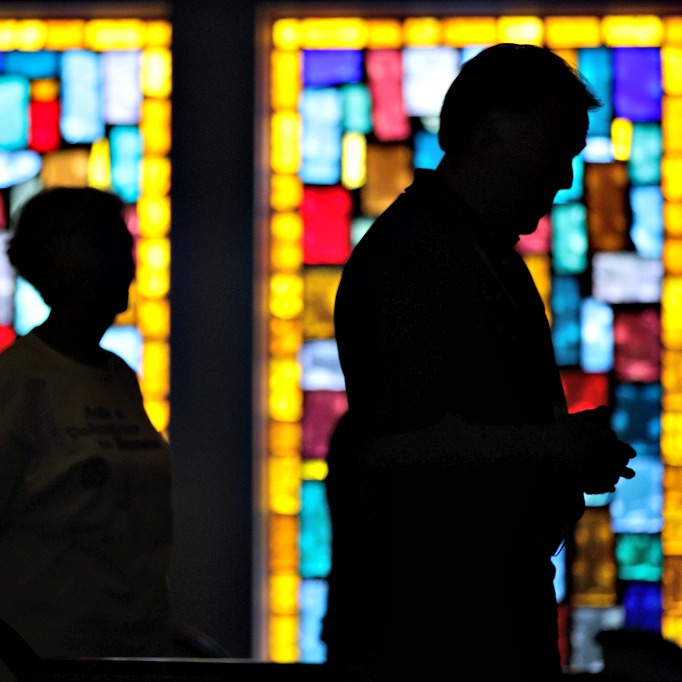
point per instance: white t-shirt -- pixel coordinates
(85, 507)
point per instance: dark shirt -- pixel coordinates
(434, 314)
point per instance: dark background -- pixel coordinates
(216, 562)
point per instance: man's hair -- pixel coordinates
(512, 77)
(49, 216)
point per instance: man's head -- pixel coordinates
(511, 124)
(511, 77)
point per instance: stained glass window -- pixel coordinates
(356, 116)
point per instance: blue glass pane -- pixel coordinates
(559, 561)
(331, 67)
(315, 535)
(122, 97)
(636, 412)
(81, 115)
(126, 342)
(18, 167)
(596, 322)
(14, 97)
(637, 83)
(321, 114)
(565, 302)
(126, 155)
(595, 64)
(313, 604)
(42, 64)
(586, 623)
(427, 74)
(29, 308)
(427, 151)
(319, 360)
(598, 149)
(646, 230)
(643, 606)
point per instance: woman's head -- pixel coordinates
(73, 242)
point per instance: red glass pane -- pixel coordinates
(326, 213)
(384, 73)
(637, 346)
(321, 411)
(584, 391)
(7, 337)
(44, 126)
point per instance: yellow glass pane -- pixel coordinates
(350, 33)
(286, 336)
(284, 438)
(671, 58)
(671, 178)
(571, 56)
(671, 320)
(159, 413)
(389, 172)
(99, 164)
(320, 285)
(621, 138)
(286, 192)
(422, 31)
(671, 534)
(159, 34)
(672, 256)
(67, 167)
(286, 295)
(672, 218)
(284, 593)
(286, 34)
(156, 175)
(7, 35)
(285, 149)
(671, 437)
(44, 89)
(673, 30)
(286, 225)
(153, 317)
(65, 34)
(155, 126)
(153, 256)
(115, 34)
(314, 470)
(541, 270)
(156, 72)
(463, 31)
(286, 255)
(128, 318)
(672, 585)
(30, 35)
(155, 368)
(283, 542)
(353, 160)
(283, 631)
(285, 79)
(154, 216)
(284, 484)
(384, 33)
(671, 125)
(285, 398)
(639, 31)
(520, 30)
(572, 32)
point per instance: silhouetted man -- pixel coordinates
(458, 470)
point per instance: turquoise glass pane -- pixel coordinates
(312, 602)
(121, 87)
(358, 227)
(331, 67)
(646, 230)
(639, 556)
(81, 117)
(565, 302)
(559, 561)
(595, 65)
(321, 115)
(596, 322)
(598, 149)
(14, 98)
(126, 155)
(569, 238)
(644, 165)
(41, 64)
(30, 309)
(357, 108)
(315, 535)
(637, 86)
(575, 191)
(636, 412)
(126, 342)
(427, 151)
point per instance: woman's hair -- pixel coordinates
(510, 77)
(48, 217)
